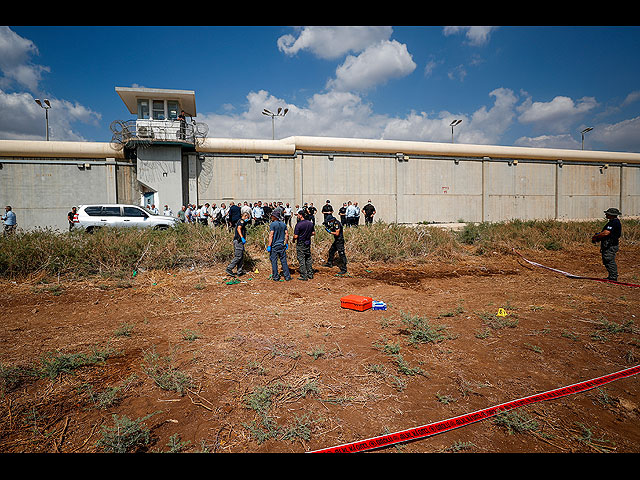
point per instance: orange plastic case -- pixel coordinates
(356, 302)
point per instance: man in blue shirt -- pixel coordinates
(277, 246)
(302, 234)
(9, 220)
(609, 242)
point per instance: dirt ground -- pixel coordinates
(280, 367)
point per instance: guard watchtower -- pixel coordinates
(158, 116)
(163, 136)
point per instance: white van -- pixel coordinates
(90, 217)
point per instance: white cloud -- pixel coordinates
(420, 127)
(339, 114)
(374, 66)
(332, 42)
(631, 98)
(459, 72)
(488, 126)
(556, 116)
(621, 136)
(430, 67)
(15, 64)
(345, 114)
(549, 141)
(476, 35)
(23, 119)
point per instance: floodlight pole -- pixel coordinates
(280, 113)
(588, 129)
(46, 107)
(453, 124)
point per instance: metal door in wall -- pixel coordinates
(149, 199)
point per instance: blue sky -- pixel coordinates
(526, 86)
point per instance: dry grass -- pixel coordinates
(119, 253)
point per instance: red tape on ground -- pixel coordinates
(570, 275)
(463, 420)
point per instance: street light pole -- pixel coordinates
(280, 113)
(588, 129)
(453, 124)
(46, 107)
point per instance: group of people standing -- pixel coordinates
(260, 213)
(222, 215)
(278, 241)
(350, 213)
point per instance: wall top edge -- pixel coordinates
(457, 150)
(291, 145)
(43, 148)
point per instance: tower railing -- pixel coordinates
(149, 131)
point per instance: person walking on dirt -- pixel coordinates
(334, 227)
(302, 234)
(278, 245)
(239, 240)
(609, 241)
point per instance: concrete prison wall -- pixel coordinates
(408, 182)
(425, 189)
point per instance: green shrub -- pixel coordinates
(125, 436)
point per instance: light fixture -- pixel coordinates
(454, 124)
(280, 113)
(46, 106)
(588, 129)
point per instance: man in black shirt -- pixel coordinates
(327, 210)
(234, 215)
(334, 227)
(609, 241)
(302, 234)
(71, 217)
(369, 211)
(312, 213)
(343, 213)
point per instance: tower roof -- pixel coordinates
(185, 98)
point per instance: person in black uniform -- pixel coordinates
(239, 240)
(312, 213)
(327, 210)
(343, 213)
(369, 212)
(609, 241)
(334, 227)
